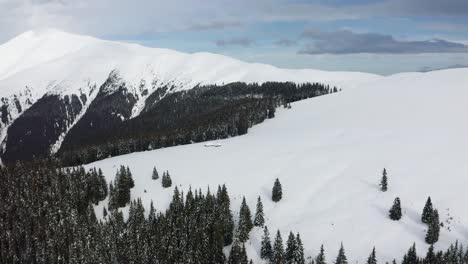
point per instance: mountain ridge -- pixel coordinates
(51, 62)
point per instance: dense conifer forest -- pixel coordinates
(197, 115)
(47, 216)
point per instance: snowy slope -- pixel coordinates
(50, 61)
(329, 152)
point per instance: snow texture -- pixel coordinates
(329, 153)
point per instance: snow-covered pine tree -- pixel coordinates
(224, 204)
(277, 192)
(155, 174)
(112, 197)
(433, 230)
(341, 258)
(299, 253)
(259, 219)
(102, 186)
(236, 253)
(271, 111)
(278, 249)
(430, 256)
(427, 211)
(320, 259)
(266, 251)
(384, 181)
(372, 257)
(245, 221)
(151, 214)
(291, 248)
(395, 211)
(122, 184)
(166, 181)
(136, 225)
(411, 257)
(243, 256)
(163, 179)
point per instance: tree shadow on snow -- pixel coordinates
(372, 185)
(409, 221)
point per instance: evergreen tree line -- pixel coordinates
(275, 253)
(197, 115)
(47, 216)
(455, 254)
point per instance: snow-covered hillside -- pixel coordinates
(52, 62)
(328, 153)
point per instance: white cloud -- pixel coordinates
(125, 17)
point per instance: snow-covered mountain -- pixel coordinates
(69, 71)
(329, 153)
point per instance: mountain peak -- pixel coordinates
(35, 47)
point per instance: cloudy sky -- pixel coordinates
(381, 36)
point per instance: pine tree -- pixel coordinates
(243, 256)
(123, 183)
(278, 249)
(395, 211)
(341, 258)
(155, 174)
(266, 251)
(299, 254)
(277, 192)
(291, 248)
(245, 221)
(129, 178)
(224, 203)
(259, 216)
(372, 258)
(112, 197)
(152, 214)
(166, 181)
(433, 229)
(102, 186)
(430, 256)
(384, 181)
(236, 253)
(136, 228)
(271, 111)
(320, 259)
(411, 257)
(427, 211)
